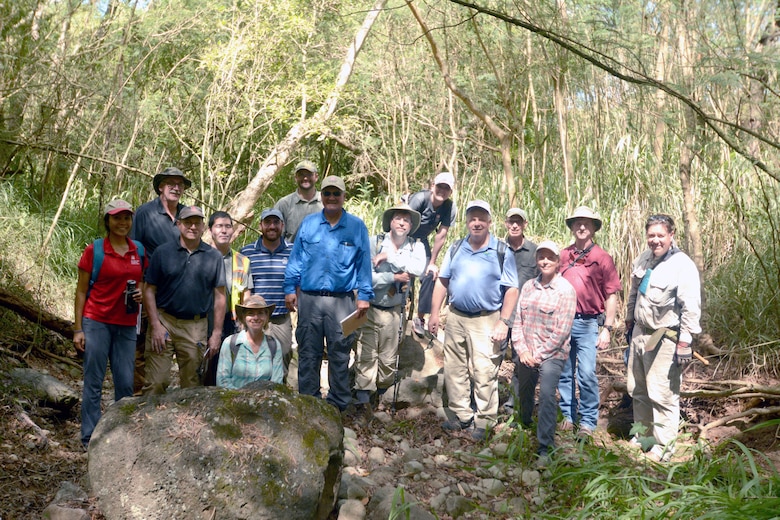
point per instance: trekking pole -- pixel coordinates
(395, 385)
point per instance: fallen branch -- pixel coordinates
(753, 412)
(40, 432)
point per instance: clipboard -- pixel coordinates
(352, 323)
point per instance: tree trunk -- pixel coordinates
(242, 206)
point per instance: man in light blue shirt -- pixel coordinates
(481, 280)
(330, 260)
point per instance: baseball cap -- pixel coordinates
(445, 178)
(550, 246)
(169, 172)
(516, 212)
(117, 206)
(481, 204)
(271, 213)
(333, 181)
(190, 211)
(584, 212)
(306, 165)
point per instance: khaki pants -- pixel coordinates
(471, 362)
(654, 383)
(377, 347)
(281, 329)
(187, 340)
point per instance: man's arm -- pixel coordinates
(438, 242)
(610, 308)
(159, 334)
(501, 327)
(220, 302)
(439, 292)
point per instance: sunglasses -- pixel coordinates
(328, 193)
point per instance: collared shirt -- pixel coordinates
(330, 258)
(593, 276)
(248, 366)
(186, 281)
(673, 295)
(294, 209)
(430, 218)
(475, 278)
(268, 272)
(545, 314)
(152, 226)
(525, 261)
(106, 301)
(409, 258)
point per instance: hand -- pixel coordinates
(291, 302)
(684, 354)
(527, 359)
(433, 324)
(362, 307)
(79, 340)
(499, 332)
(159, 337)
(378, 259)
(432, 270)
(137, 296)
(603, 339)
(214, 344)
(401, 277)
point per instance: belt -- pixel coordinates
(280, 318)
(472, 314)
(583, 316)
(328, 293)
(657, 335)
(382, 308)
(184, 316)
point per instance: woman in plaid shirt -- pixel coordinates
(540, 337)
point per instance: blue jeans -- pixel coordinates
(104, 343)
(547, 375)
(319, 318)
(582, 361)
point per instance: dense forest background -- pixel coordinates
(632, 107)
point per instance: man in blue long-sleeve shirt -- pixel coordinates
(331, 258)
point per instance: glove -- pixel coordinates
(684, 355)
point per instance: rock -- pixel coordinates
(457, 506)
(381, 506)
(493, 486)
(259, 452)
(65, 505)
(352, 510)
(47, 389)
(376, 456)
(58, 512)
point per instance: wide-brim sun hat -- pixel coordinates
(387, 216)
(255, 301)
(584, 212)
(169, 172)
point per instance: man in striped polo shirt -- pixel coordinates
(268, 260)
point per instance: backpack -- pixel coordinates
(97, 259)
(272, 345)
(500, 250)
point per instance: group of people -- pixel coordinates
(232, 310)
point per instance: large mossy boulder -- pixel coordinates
(262, 452)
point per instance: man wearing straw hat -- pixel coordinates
(395, 260)
(592, 273)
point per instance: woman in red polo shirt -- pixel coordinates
(105, 327)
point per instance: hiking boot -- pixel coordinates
(566, 426)
(543, 461)
(363, 414)
(479, 434)
(418, 326)
(585, 434)
(658, 454)
(456, 425)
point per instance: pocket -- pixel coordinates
(661, 295)
(310, 246)
(346, 254)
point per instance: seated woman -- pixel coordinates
(250, 355)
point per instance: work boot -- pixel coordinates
(363, 414)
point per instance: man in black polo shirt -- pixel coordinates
(184, 280)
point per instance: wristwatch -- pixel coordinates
(609, 328)
(506, 322)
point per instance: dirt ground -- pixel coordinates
(40, 448)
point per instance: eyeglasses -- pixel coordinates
(515, 222)
(328, 193)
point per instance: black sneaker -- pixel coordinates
(456, 425)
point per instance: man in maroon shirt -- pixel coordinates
(592, 273)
